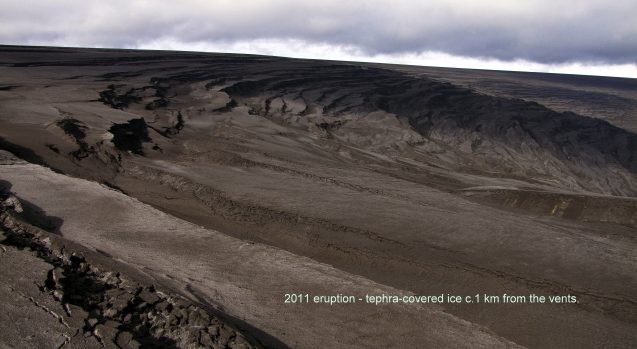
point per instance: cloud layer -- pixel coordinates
(539, 34)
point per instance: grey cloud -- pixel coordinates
(546, 31)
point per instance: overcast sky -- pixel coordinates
(597, 37)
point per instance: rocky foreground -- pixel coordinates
(58, 294)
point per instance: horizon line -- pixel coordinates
(343, 60)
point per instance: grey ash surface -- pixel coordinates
(53, 297)
(423, 180)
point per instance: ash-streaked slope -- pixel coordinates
(608, 98)
(239, 278)
(393, 175)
